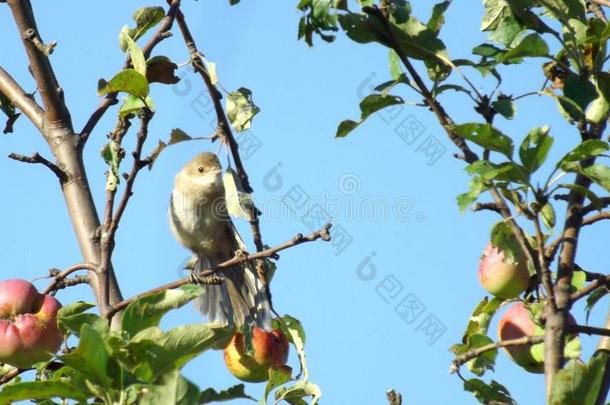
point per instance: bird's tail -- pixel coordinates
(239, 300)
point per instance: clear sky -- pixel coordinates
(403, 244)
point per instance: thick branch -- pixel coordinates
(323, 234)
(588, 330)
(20, 99)
(50, 92)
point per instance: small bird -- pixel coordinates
(199, 220)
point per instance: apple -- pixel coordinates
(270, 350)
(28, 324)
(517, 323)
(500, 276)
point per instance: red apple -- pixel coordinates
(28, 324)
(500, 276)
(516, 323)
(270, 350)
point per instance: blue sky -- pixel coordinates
(349, 293)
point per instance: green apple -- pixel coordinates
(502, 277)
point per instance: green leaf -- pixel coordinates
(72, 317)
(481, 316)
(579, 278)
(593, 299)
(235, 392)
(294, 331)
(299, 390)
(137, 57)
(145, 18)
(502, 236)
(437, 19)
(535, 148)
(183, 343)
(599, 173)
(486, 136)
(177, 135)
(477, 186)
(588, 149)
(578, 94)
(395, 68)
(547, 214)
(91, 358)
(488, 393)
(148, 311)
(239, 203)
(361, 28)
(172, 388)
(133, 105)
(345, 127)
(111, 153)
(241, 109)
(277, 376)
(375, 102)
(41, 390)
(128, 81)
(505, 107)
(570, 384)
(486, 361)
(531, 46)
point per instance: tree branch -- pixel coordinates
(323, 234)
(50, 92)
(474, 353)
(59, 276)
(6, 377)
(37, 158)
(20, 99)
(595, 218)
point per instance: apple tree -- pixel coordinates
(536, 274)
(112, 350)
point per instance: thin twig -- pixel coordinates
(59, 276)
(488, 206)
(37, 158)
(323, 234)
(589, 288)
(588, 330)
(474, 353)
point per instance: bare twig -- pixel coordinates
(37, 158)
(59, 276)
(588, 330)
(597, 10)
(323, 234)
(20, 99)
(604, 202)
(605, 3)
(589, 288)
(474, 353)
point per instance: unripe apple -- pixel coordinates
(516, 323)
(270, 350)
(501, 276)
(28, 324)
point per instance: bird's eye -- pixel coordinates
(200, 169)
